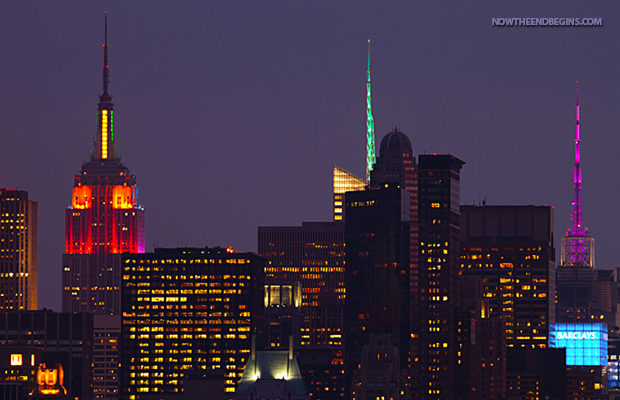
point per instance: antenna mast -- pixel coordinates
(106, 71)
(577, 246)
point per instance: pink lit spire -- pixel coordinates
(578, 247)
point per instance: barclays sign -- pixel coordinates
(577, 335)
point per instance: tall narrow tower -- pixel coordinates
(370, 125)
(577, 245)
(103, 221)
(18, 251)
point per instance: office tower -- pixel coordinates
(106, 362)
(511, 249)
(282, 313)
(343, 181)
(103, 221)
(480, 371)
(18, 251)
(313, 256)
(435, 279)
(377, 272)
(187, 309)
(64, 366)
(584, 294)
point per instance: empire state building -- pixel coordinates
(103, 221)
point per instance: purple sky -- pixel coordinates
(231, 114)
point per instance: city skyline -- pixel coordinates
(234, 118)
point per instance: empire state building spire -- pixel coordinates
(103, 221)
(106, 70)
(104, 140)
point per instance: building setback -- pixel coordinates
(187, 310)
(18, 251)
(103, 221)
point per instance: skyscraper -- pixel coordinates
(313, 256)
(188, 309)
(435, 278)
(18, 251)
(511, 249)
(103, 221)
(377, 273)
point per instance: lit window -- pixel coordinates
(16, 359)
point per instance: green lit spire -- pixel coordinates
(370, 126)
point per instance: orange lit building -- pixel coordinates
(18, 251)
(103, 221)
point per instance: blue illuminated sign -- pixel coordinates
(585, 344)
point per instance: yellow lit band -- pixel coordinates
(104, 134)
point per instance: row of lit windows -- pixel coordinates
(191, 261)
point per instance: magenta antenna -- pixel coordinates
(578, 246)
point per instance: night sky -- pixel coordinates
(232, 113)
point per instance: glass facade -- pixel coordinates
(585, 344)
(344, 181)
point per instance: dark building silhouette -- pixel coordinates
(188, 309)
(377, 272)
(380, 373)
(480, 370)
(18, 247)
(103, 221)
(46, 343)
(511, 248)
(435, 278)
(536, 373)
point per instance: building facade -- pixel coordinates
(343, 181)
(18, 251)
(106, 362)
(311, 257)
(184, 310)
(435, 293)
(377, 272)
(512, 249)
(103, 221)
(60, 345)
